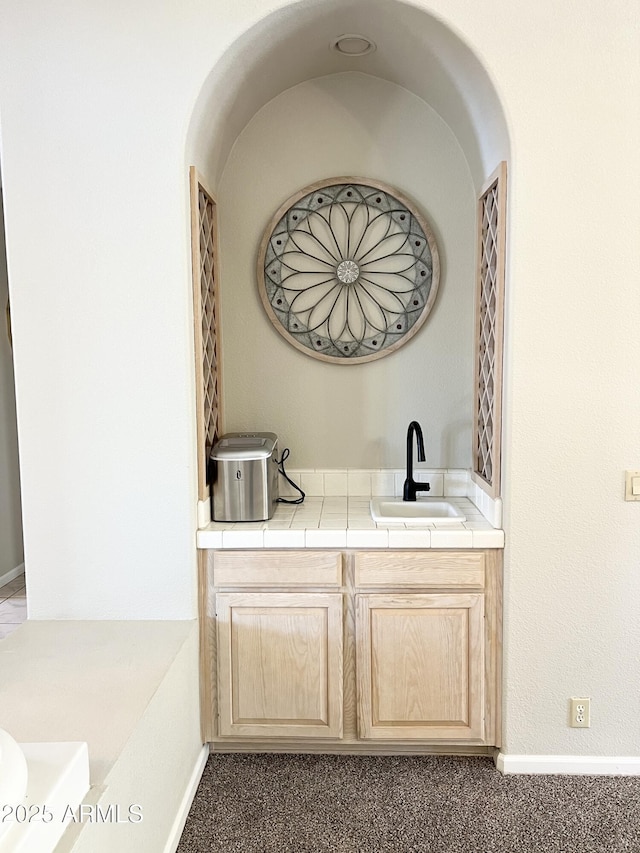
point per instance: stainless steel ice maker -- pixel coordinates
(243, 474)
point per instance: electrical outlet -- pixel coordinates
(580, 712)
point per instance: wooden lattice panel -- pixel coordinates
(489, 333)
(206, 313)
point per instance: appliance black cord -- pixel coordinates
(280, 463)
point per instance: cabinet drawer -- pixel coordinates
(277, 568)
(403, 569)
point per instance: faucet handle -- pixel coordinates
(411, 488)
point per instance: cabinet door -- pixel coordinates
(420, 666)
(280, 664)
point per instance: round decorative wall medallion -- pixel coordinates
(348, 270)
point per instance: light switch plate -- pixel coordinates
(632, 485)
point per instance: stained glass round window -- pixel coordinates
(348, 270)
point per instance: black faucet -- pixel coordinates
(410, 485)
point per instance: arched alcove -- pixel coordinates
(415, 50)
(281, 110)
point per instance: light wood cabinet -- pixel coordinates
(356, 651)
(420, 665)
(280, 664)
(271, 569)
(420, 569)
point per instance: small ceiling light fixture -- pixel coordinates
(352, 44)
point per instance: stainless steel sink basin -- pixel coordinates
(421, 511)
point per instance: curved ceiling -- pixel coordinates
(414, 50)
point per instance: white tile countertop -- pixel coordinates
(334, 521)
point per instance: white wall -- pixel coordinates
(573, 408)
(93, 123)
(341, 415)
(10, 515)
(95, 108)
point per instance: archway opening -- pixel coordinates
(281, 110)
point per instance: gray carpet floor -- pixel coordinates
(343, 804)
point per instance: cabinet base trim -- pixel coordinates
(350, 748)
(579, 765)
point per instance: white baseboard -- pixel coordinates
(12, 574)
(183, 811)
(579, 765)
